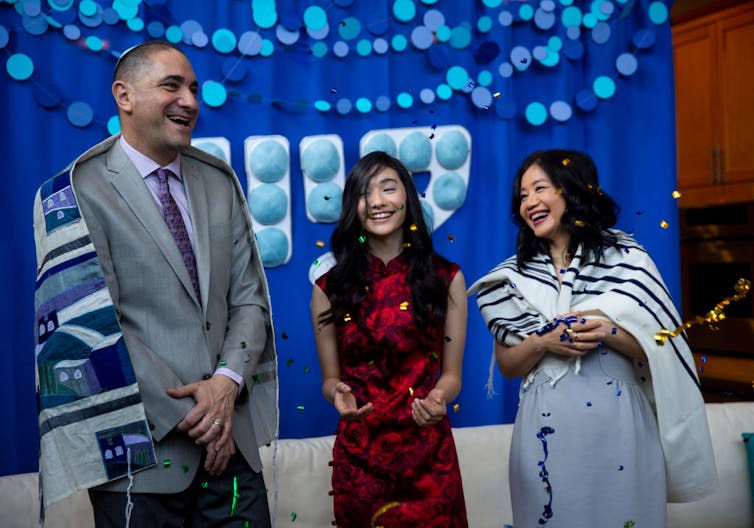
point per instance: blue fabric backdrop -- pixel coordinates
(630, 133)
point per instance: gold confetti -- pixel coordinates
(382, 510)
(404, 306)
(452, 238)
(579, 223)
(320, 243)
(413, 227)
(676, 194)
(559, 190)
(713, 317)
(663, 224)
(347, 317)
(456, 407)
(566, 161)
(496, 95)
(410, 391)
(406, 245)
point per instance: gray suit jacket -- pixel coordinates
(172, 338)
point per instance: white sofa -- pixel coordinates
(301, 498)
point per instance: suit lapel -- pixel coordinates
(130, 185)
(197, 198)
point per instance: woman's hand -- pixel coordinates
(430, 410)
(345, 403)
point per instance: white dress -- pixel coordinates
(586, 450)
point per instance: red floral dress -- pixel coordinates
(388, 471)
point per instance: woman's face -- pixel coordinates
(542, 206)
(382, 207)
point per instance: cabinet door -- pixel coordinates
(697, 100)
(737, 83)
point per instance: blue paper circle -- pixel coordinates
(415, 151)
(286, 36)
(273, 246)
(536, 113)
(214, 93)
(427, 96)
(155, 29)
(404, 100)
(363, 105)
(520, 58)
(113, 125)
(444, 92)
(173, 34)
(19, 66)
(210, 147)
(457, 77)
(433, 19)
(380, 46)
(265, 16)
(561, 111)
(315, 17)
(604, 87)
(626, 64)
(544, 20)
(586, 100)
(601, 33)
(460, 37)
(364, 47)
(484, 24)
(325, 202)
(484, 78)
(35, 25)
(71, 32)
(80, 114)
(421, 37)
(505, 69)
(48, 97)
(340, 49)
(344, 106)
(404, 10)
(223, 40)
(658, 12)
(449, 191)
(505, 18)
(268, 203)
(349, 28)
(320, 160)
(452, 149)
(322, 106)
(250, 43)
(399, 43)
(268, 161)
(644, 38)
(481, 97)
(382, 104)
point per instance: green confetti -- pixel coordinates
(256, 377)
(316, 263)
(362, 239)
(433, 356)
(293, 516)
(300, 407)
(234, 504)
(222, 363)
(289, 362)
(243, 344)
(629, 524)
(246, 524)
(166, 463)
(307, 369)
(205, 485)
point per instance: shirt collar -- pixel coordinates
(146, 165)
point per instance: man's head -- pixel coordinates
(155, 88)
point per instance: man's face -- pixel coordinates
(163, 107)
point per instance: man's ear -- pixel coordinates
(122, 95)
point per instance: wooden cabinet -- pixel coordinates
(714, 84)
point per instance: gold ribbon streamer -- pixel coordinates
(382, 510)
(713, 317)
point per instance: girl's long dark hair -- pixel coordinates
(589, 212)
(347, 280)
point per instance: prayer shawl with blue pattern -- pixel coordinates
(93, 427)
(625, 287)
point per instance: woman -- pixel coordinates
(390, 328)
(575, 312)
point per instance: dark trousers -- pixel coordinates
(237, 498)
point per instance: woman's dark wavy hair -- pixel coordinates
(589, 212)
(347, 280)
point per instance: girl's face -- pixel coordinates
(542, 206)
(382, 207)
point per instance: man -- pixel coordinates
(181, 321)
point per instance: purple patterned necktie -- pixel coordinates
(174, 220)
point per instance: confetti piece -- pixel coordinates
(382, 510)
(452, 238)
(205, 484)
(222, 363)
(588, 404)
(347, 318)
(326, 197)
(579, 223)
(371, 363)
(456, 407)
(166, 463)
(333, 90)
(639, 213)
(663, 224)
(234, 504)
(676, 194)
(404, 306)
(614, 331)
(243, 344)
(320, 243)
(299, 407)
(496, 95)
(618, 392)
(413, 227)
(713, 317)
(410, 391)
(431, 136)
(289, 362)
(620, 468)
(406, 245)
(293, 516)
(284, 335)
(566, 161)
(316, 263)
(256, 377)
(433, 356)
(307, 370)
(362, 239)
(448, 339)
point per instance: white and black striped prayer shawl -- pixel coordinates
(625, 287)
